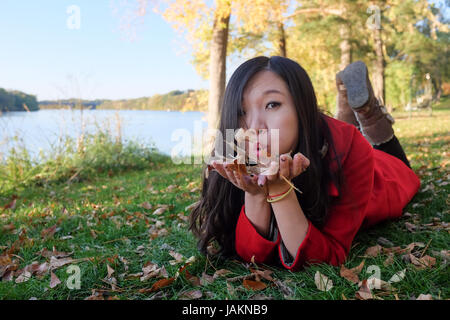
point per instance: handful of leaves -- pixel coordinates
(247, 164)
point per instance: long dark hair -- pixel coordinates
(215, 216)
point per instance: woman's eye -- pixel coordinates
(273, 104)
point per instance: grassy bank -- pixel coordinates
(114, 223)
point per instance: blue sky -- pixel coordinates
(40, 55)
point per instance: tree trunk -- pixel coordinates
(281, 40)
(378, 75)
(345, 46)
(217, 67)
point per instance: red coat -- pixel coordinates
(379, 187)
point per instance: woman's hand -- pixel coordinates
(247, 183)
(288, 167)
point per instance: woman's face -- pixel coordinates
(267, 104)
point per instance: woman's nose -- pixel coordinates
(257, 122)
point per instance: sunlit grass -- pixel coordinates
(104, 215)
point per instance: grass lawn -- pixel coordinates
(113, 230)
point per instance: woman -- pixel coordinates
(349, 178)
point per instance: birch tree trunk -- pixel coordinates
(217, 68)
(378, 75)
(345, 46)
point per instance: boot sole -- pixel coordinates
(354, 77)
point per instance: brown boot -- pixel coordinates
(375, 122)
(343, 111)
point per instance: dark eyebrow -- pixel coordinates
(272, 91)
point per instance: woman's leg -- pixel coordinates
(355, 93)
(394, 148)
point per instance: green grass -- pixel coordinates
(111, 205)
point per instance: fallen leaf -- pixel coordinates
(95, 296)
(398, 276)
(192, 294)
(178, 257)
(206, 279)
(424, 297)
(389, 260)
(284, 288)
(259, 296)
(348, 274)
(158, 285)
(254, 285)
(364, 292)
(54, 281)
(24, 277)
(266, 274)
(191, 206)
(385, 242)
(49, 232)
(373, 251)
(57, 263)
(322, 282)
(377, 284)
(146, 205)
(411, 227)
(159, 211)
(54, 253)
(422, 263)
(221, 272)
(8, 228)
(110, 270)
(192, 279)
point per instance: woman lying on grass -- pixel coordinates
(351, 171)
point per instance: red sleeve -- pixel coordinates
(332, 243)
(250, 243)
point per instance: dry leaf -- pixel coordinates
(385, 242)
(254, 285)
(322, 282)
(192, 294)
(424, 297)
(54, 281)
(191, 206)
(110, 270)
(57, 263)
(373, 251)
(178, 257)
(389, 260)
(411, 227)
(49, 232)
(8, 228)
(57, 254)
(364, 292)
(348, 274)
(95, 296)
(206, 279)
(352, 274)
(221, 272)
(262, 273)
(284, 288)
(398, 276)
(422, 263)
(24, 277)
(146, 205)
(158, 285)
(160, 211)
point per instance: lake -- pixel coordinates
(42, 129)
